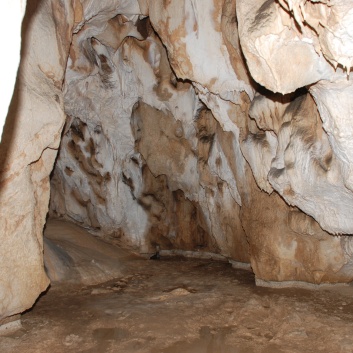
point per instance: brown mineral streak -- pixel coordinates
(5, 182)
(63, 31)
(217, 14)
(145, 163)
(78, 11)
(176, 39)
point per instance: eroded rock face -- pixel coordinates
(168, 144)
(176, 137)
(28, 148)
(10, 20)
(141, 159)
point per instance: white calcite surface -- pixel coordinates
(289, 45)
(212, 126)
(169, 136)
(143, 126)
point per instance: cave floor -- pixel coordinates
(183, 305)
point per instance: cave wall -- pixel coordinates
(215, 126)
(10, 20)
(30, 140)
(140, 150)
(170, 122)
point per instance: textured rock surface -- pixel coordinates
(175, 134)
(73, 256)
(281, 56)
(145, 170)
(169, 145)
(28, 149)
(10, 20)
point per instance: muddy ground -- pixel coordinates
(183, 305)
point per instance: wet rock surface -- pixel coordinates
(185, 305)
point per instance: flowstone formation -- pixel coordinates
(169, 141)
(140, 157)
(210, 126)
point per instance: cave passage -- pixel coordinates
(177, 304)
(176, 176)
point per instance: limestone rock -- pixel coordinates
(280, 56)
(153, 148)
(27, 152)
(73, 255)
(188, 30)
(289, 45)
(306, 164)
(153, 160)
(10, 20)
(331, 22)
(208, 125)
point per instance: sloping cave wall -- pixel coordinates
(30, 139)
(206, 125)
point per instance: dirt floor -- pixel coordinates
(183, 305)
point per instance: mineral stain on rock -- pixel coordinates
(211, 129)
